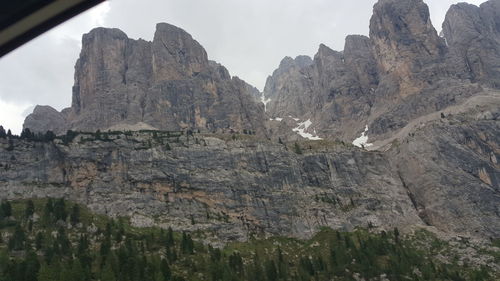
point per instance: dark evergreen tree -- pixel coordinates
(18, 239)
(170, 237)
(49, 136)
(48, 211)
(27, 134)
(297, 149)
(396, 235)
(187, 245)
(271, 272)
(29, 209)
(60, 210)
(32, 266)
(6, 208)
(3, 134)
(75, 215)
(11, 145)
(39, 241)
(47, 273)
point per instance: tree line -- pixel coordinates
(57, 240)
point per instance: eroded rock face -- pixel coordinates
(231, 188)
(426, 104)
(176, 55)
(445, 175)
(285, 88)
(167, 84)
(46, 118)
(402, 72)
(473, 34)
(332, 91)
(405, 42)
(451, 172)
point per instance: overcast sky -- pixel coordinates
(249, 37)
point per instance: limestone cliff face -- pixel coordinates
(402, 72)
(444, 176)
(405, 43)
(473, 35)
(46, 118)
(450, 168)
(230, 188)
(431, 105)
(166, 84)
(332, 90)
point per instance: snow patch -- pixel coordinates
(362, 141)
(303, 127)
(276, 119)
(264, 100)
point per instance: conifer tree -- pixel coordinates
(107, 273)
(297, 149)
(31, 266)
(16, 242)
(39, 241)
(60, 210)
(6, 208)
(48, 272)
(271, 272)
(75, 215)
(30, 209)
(170, 237)
(49, 136)
(48, 212)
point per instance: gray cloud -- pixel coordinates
(249, 37)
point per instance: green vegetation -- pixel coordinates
(297, 149)
(57, 240)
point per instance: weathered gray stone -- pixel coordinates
(235, 188)
(165, 84)
(473, 36)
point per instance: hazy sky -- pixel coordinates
(249, 37)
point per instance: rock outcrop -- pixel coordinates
(473, 36)
(444, 175)
(427, 109)
(45, 118)
(407, 47)
(402, 72)
(451, 172)
(332, 91)
(231, 188)
(167, 84)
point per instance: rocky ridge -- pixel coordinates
(444, 175)
(403, 71)
(429, 107)
(167, 84)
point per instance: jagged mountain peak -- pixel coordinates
(168, 84)
(429, 112)
(401, 31)
(473, 36)
(176, 54)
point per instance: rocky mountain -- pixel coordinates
(423, 109)
(167, 84)
(403, 71)
(445, 176)
(473, 36)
